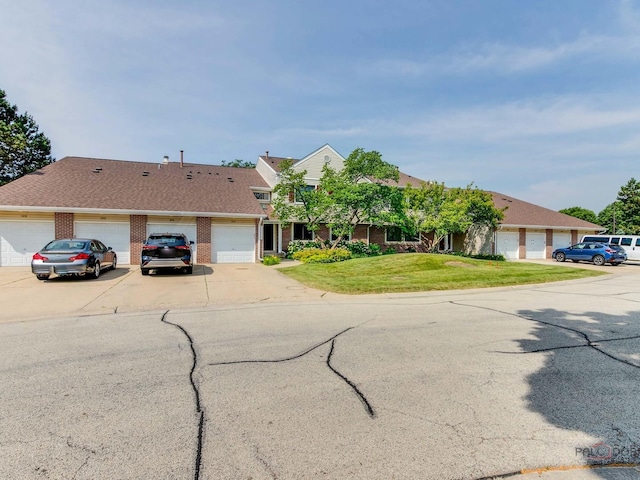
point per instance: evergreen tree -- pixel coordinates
(23, 149)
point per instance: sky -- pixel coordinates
(536, 100)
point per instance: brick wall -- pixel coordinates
(137, 236)
(549, 246)
(522, 249)
(203, 239)
(63, 225)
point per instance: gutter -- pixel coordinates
(113, 211)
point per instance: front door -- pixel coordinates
(267, 235)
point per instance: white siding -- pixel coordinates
(313, 163)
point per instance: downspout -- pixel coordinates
(260, 243)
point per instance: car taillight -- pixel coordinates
(608, 250)
(80, 256)
(149, 247)
(37, 256)
(182, 247)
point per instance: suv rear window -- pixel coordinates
(169, 240)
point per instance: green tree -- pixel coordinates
(239, 163)
(581, 213)
(362, 192)
(23, 149)
(629, 198)
(432, 208)
(610, 217)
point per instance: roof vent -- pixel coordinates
(97, 170)
(145, 174)
(230, 179)
(189, 176)
(165, 160)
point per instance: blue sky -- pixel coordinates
(538, 100)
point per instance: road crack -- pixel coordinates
(367, 405)
(588, 343)
(200, 413)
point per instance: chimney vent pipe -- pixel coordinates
(181, 158)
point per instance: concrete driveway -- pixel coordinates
(22, 296)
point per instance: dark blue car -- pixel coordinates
(595, 252)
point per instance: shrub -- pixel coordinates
(319, 255)
(299, 245)
(480, 256)
(271, 260)
(389, 251)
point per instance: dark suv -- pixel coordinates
(166, 250)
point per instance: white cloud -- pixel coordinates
(509, 59)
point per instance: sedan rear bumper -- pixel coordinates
(62, 269)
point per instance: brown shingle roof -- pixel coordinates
(274, 162)
(522, 213)
(90, 183)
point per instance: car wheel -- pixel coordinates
(560, 257)
(96, 270)
(144, 271)
(114, 264)
(42, 276)
(598, 260)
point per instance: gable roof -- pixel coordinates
(520, 213)
(91, 184)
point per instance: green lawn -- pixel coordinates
(418, 272)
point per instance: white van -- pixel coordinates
(630, 243)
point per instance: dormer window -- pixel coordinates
(263, 196)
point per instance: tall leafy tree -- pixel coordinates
(362, 192)
(23, 149)
(610, 218)
(581, 213)
(629, 198)
(239, 163)
(439, 211)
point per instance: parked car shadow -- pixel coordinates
(198, 271)
(590, 380)
(105, 276)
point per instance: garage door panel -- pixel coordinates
(112, 234)
(508, 244)
(19, 240)
(561, 240)
(233, 244)
(536, 245)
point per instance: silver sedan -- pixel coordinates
(73, 256)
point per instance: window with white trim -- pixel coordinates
(395, 234)
(301, 232)
(264, 196)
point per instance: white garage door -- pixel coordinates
(536, 245)
(112, 234)
(507, 244)
(19, 240)
(233, 243)
(561, 240)
(189, 229)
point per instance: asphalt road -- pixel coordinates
(450, 385)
